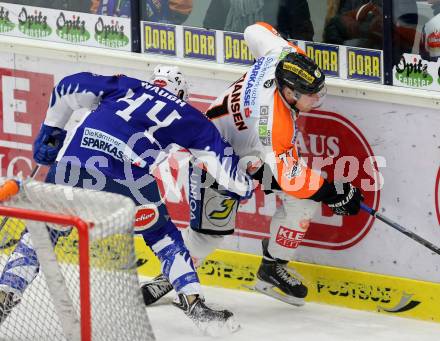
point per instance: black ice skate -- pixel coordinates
(211, 322)
(274, 280)
(7, 302)
(155, 289)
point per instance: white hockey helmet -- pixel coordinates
(170, 78)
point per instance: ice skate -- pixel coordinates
(211, 322)
(273, 279)
(7, 303)
(155, 289)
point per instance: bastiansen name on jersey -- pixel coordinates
(255, 119)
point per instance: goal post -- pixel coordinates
(87, 287)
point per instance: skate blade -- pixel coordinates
(218, 328)
(269, 290)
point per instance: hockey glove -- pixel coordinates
(47, 144)
(342, 198)
(265, 177)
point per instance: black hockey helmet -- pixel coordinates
(299, 73)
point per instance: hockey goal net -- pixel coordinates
(87, 286)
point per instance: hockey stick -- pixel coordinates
(401, 229)
(33, 173)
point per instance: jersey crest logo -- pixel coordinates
(268, 84)
(227, 205)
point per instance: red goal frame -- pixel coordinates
(84, 264)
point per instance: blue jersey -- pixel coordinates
(157, 11)
(130, 126)
(119, 8)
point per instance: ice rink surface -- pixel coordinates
(263, 318)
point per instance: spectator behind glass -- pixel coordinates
(233, 15)
(354, 23)
(67, 5)
(360, 23)
(166, 11)
(430, 39)
(294, 20)
(290, 17)
(117, 8)
(405, 20)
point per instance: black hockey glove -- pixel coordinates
(266, 178)
(342, 198)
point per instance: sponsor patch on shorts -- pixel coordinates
(146, 217)
(289, 238)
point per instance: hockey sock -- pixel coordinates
(21, 268)
(175, 259)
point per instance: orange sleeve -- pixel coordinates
(268, 27)
(293, 175)
(263, 39)
(295, 178)
(276, 33)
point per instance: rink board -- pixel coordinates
(329, 285)
(395, 127)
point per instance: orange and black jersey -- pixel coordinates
(256, 120)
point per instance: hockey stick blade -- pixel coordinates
(401, 229)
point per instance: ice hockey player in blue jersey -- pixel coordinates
(131, 127)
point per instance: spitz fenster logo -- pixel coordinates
(33, 25)
(73, 30)
(5, 24)
(110, 35)
(414, 74)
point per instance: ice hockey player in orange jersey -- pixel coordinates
(258, 115)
